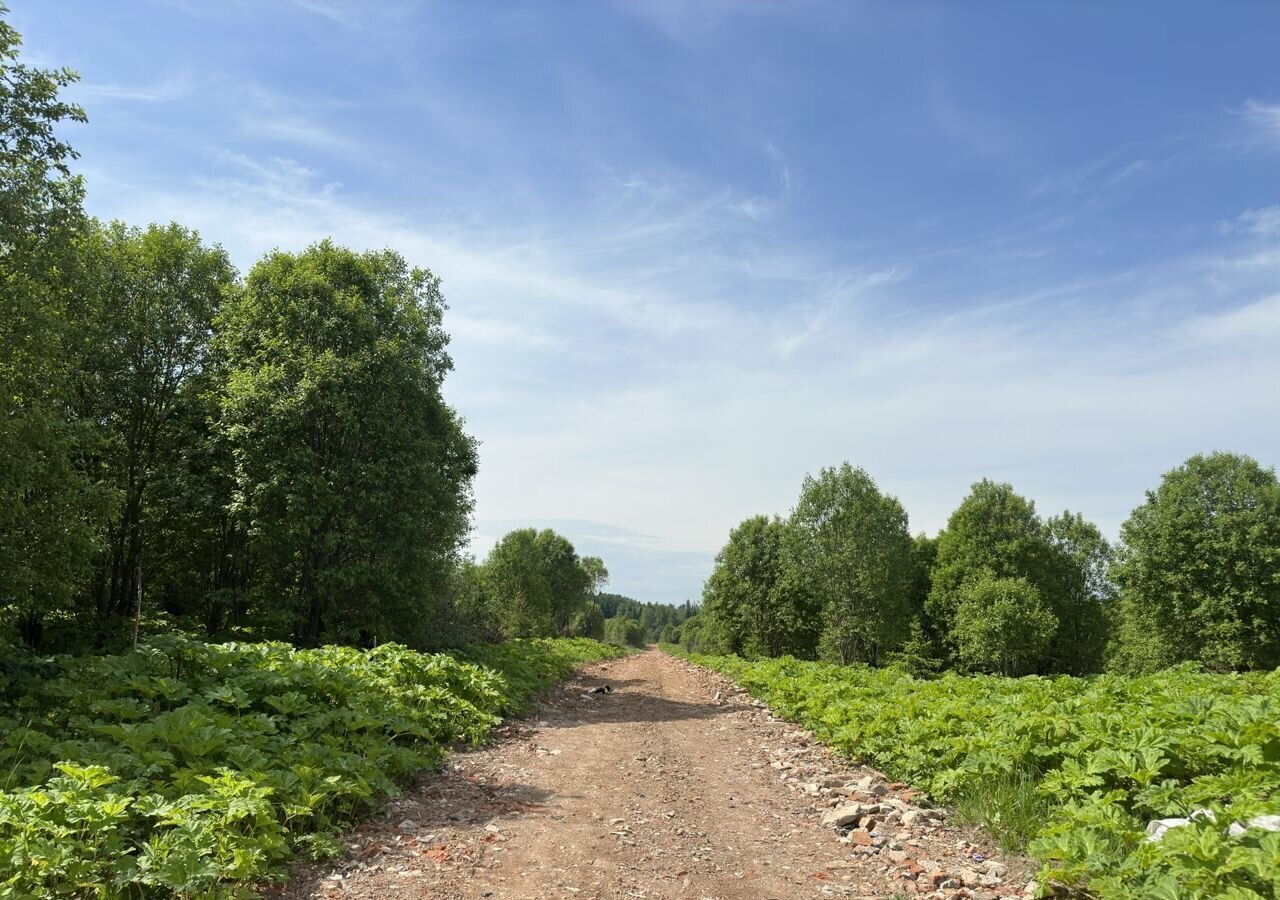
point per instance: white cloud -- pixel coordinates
(1264, 222)
(1257, 322)
(1264, 118)
(169, 88)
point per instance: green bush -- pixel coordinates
(624, 632)
(1002, 626)
(188, 769)
(1105, 756)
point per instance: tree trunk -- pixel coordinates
(31, 629)
(137, 610)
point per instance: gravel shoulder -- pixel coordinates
(674, 784)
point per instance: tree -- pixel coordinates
(849, 548)
(589, 622)
(1002, 626)
(994, 533)
(597, 574)
(924, 555)
(570, 583)
(154, 293)
(49, 500)
(699, 635)
(745, 602)
(468, 614)
(1199, 569)
(353, 476)
(624, 632)
(918, 654)
(1085, 593)
(198, 564)
(537, 583)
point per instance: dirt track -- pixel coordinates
(673, 785)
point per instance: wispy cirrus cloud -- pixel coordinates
(165, 90)
(1264, 222)
(689, 23)
(1264, 120)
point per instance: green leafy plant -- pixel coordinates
(191, 770)
(1074, 768)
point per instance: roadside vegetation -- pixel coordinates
(970, 665)
(188, 769)
(1061, 692)
(1071, 770)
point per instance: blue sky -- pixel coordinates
(695, 250)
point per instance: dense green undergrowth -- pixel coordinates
(192, 770)
(1101, 757)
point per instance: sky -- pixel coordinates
(694, 251)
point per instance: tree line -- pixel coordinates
(270, 453)
(1195, 577)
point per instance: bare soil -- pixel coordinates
(675, 784)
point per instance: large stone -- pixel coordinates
(847, 814)
(998, 869)
(912, 818)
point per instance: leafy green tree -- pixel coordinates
(918, 654)
(924, 555)
(570, 583)
(49, 498)
(589, 622)
(468, 614)
(699, 634)
(1002, 626)
(652, 620)
(198, 567)
(1085, 593)
(849, 548)
(994, 533)
(747, 604)
(654, 617)
(1199, 569)
(624, 632)
(353, 476)
(537, 582)
(154, 293)
(597, 574)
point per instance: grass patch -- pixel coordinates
(1007, 806)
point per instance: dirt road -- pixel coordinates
(673, 785)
